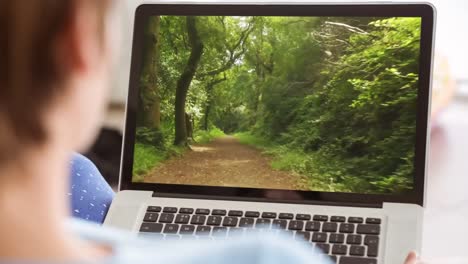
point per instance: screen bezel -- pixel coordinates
(425, 11)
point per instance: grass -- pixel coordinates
(289, 160)
(252, 140)
(147, 157)
(204, 137)
(284, 158)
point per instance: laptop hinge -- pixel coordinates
(264, 200)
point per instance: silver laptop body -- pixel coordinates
(377, 226)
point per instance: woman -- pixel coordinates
(54, 69)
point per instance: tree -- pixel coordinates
(185, 80)
(209, 92)
(230, 46)
(149, 97)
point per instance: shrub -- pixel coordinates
(150, 136)
(207, 136)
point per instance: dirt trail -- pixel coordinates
(223, 162)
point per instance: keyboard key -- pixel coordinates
(252, 214)
(166, 218)
(368, 229)
(198, 220)
(312, 226)
(303, 217)
(287, 233)
(182, 219)
(301, 235)
(262, 223)
(171, 229)
(219, 231)
(171, 210)
(325, 248)
(323, 218)
(203, 230)
(150, 217)
(319, 237)
(355, 220)
(373, 221)
(333, 259)
(268, 215)
(280, 223)
(371, 240)
(356, 250)
(269, 231)
(354, 239)
(346, 228)
(246, 222)
(218, 212)
(336, 238)
(357, 260)
(155, 209)
(151, 227)
(201, 211)
(286, 216)
(372, 243)
(236, 231)
(214, 220)
(235, 213)
(338, 219)
(372, 250)
(295, 225)
(329, 227)
(187, 229)
(186, 210)
(230, 221)
(339, 249)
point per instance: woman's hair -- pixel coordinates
(30, 75)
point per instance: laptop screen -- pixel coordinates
(293, 103)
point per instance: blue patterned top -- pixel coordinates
(90, 194)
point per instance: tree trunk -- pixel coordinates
(151, 99)
(155, 117)
(207, 114)
(209, 92)
(185, 79)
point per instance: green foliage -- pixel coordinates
(150, 136)
(362, 121)
(252, 140)
(204, 137)
(147, 157)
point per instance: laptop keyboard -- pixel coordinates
(346, 240)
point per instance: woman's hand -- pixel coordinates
(412, 258)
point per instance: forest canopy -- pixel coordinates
(331, 100)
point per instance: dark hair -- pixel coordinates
(30, 76)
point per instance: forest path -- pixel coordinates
(223, 162)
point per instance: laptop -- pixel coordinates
(306, 118)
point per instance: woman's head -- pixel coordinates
(54, 62)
